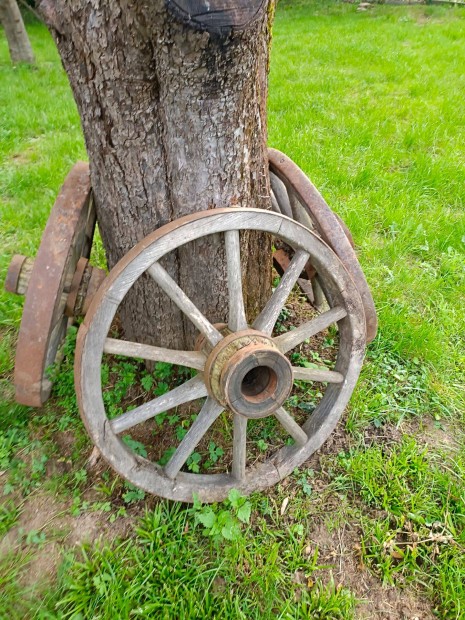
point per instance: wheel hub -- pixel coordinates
(248, 374)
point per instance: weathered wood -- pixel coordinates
(239, 447)
(75, 296)
(274, 203)
(294, 430)
(237, 319)
(67, 236)
(19, 274)
(255, 380)
(18, 41)
(316, 374)
(267, 318)
(291, 339)
(176, 294)
(207, 415)
(280, 193)
(281, 262)
(299, 213)
(191, 390)
(191, 359)
(217, 16)
(341, 294)
(329, 227)
(318, 295)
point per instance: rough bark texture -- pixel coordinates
(18, 41)
(174, 121)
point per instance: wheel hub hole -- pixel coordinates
(259, 383)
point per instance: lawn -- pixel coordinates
(370, 105)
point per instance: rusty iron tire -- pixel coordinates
(328, 225)
(67, 237)
(245, 358)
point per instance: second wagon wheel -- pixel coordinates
(242, 369)
(66, 239)
(297, 197)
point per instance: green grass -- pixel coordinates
(418, 532)
(370, 105)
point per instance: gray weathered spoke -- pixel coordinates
(274, 203)
(294, 430)
(318, 295)
(190, 390)
(166, 282)
(267, 318)
(191, 359)
(293, 338)
(281, 195)
(237, 319)
(239, 447)
(316, 374)
(207, 415)
(299, 213)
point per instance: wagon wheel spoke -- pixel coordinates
(191, 359)
(294, 430)
(274, 203)
(293, 338)
(207, 415)
(177, 295)
(318, 295)
(281, 195)
(298, 211)
(237, 318)
(239, 447)
(190, 390)
(316, 374)
(267, 318)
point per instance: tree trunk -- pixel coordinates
(18, 41)
(174, 120)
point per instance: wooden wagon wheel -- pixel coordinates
(242, 370)
(55, 285)
(297, 197)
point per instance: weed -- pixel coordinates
(224, 521)
(304, 480)
(136, 446)
(324, 603)
(8, 516)
(35, 537)
(133, 494)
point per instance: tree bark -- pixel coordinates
(18, 41)
(174, 121)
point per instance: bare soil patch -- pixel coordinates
(340, 548)
(48, 519)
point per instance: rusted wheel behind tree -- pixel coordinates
(242, 369)
(57, 285)
(296, 196)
